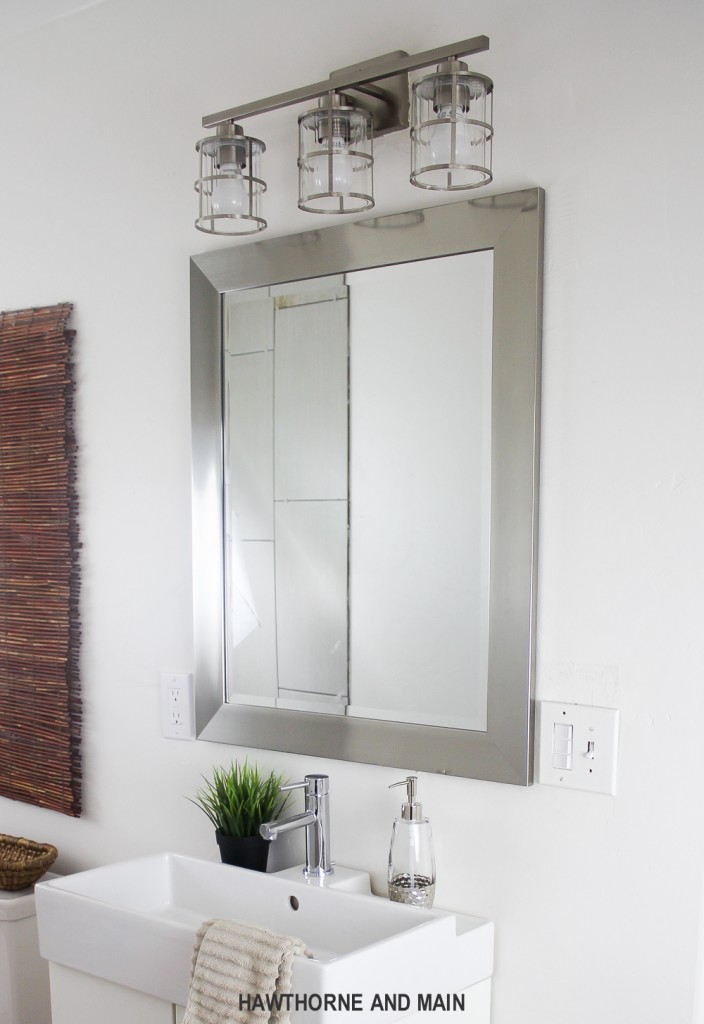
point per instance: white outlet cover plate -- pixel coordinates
(599, 726)
(177, 706)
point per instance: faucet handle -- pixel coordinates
(316, 784)
(293, 785)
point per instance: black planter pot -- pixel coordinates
(248, 852)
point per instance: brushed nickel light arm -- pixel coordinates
(382, 80)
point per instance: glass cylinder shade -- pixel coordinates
(451, 129)
(230, 185)
(335, 158)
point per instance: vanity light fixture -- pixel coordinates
(451, 129)
(335, 158)
(451, 133)
(230, 185)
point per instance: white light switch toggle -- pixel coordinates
(590, 750)
(562, 746)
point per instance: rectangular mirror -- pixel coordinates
(365, 406)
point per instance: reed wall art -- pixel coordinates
(40, 709)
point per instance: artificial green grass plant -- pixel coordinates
(241, 798)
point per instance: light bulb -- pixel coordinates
(342, 169)
(230, 195)
(440, 139)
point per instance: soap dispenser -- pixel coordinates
(411, 859)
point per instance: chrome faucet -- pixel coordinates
(316, 821)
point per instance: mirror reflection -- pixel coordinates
(358, 489)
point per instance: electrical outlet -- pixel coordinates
(177, 706)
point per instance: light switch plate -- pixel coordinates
(594, 746)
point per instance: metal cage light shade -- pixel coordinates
(335, 157)
(451, 129)
(229, 184)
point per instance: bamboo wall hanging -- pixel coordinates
(40, 711)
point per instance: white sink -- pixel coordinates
(134, 923)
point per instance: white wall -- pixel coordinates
(596, 900)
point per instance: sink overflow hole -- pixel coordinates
(293, 903)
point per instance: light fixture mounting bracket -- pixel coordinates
(380, 83)
(386, 99)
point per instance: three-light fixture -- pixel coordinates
(450, 128)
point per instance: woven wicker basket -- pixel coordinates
(23, 862)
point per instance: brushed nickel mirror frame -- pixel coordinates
(511, 225)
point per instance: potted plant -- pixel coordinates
(238, 800)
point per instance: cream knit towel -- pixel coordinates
(233, 963)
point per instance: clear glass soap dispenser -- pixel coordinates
(411, 858)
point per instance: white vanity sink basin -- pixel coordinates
(134, 923)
